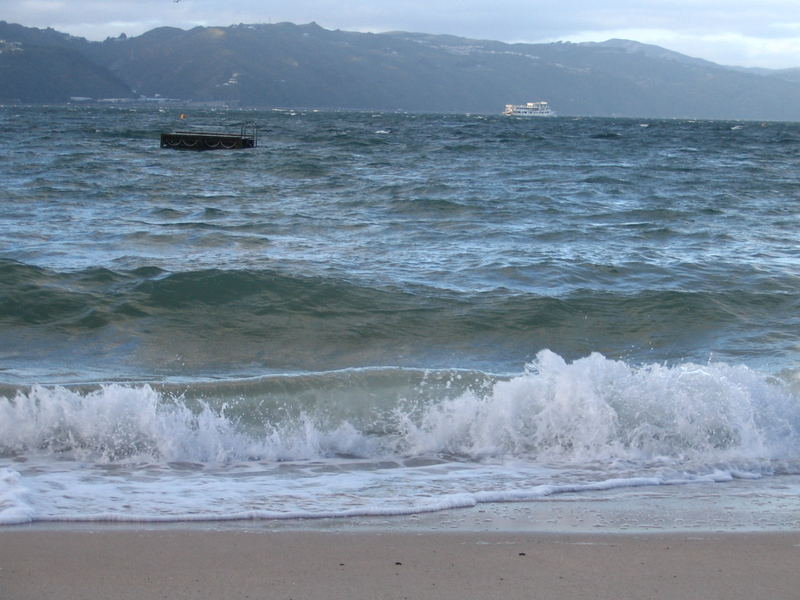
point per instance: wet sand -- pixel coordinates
(109, 563)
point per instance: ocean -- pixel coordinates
(377, 314)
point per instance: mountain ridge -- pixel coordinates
(289, 65)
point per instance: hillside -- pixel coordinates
(50, 67)
(308, 66)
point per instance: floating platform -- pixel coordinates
(212, 138)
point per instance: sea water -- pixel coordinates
(388, 314)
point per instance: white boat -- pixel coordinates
(531, 109)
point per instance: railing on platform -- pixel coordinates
(212, 137)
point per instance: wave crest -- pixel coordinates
(589, 410)
(598, 409)
(118, 423)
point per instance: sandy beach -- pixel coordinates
(131, 564)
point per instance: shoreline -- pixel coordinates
(137, 564)
(720, 542)
(738, 506)
(731, 541)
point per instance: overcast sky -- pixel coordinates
(753, 33)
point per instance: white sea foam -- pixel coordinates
(133, 453)
(596, 409)
(119, 423)
(14, 505)
(589, 410)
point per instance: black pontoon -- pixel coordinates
(223, 137)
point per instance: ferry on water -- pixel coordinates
(531, 109)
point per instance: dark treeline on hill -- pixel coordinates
(286, 65)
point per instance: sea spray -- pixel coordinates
(129, 424)
(596, 409)
(14, 499)
(593, 425)
(591, 409)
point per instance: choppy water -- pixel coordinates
(389, 313)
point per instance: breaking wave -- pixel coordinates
(589, 410)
